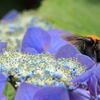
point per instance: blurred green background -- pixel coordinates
(78, 16)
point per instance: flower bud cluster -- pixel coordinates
(39, 69)
(13, 31)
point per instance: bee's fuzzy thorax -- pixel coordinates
(94, 38)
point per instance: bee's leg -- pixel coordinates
(96, 51)
(87, 51)
(92, 54)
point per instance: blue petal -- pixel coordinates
(83, 77)
(30, 51)
(3, 97)
(10, 15)
(92, 86)
(96, 71)
(56, 40)
(67, 51)
(36, 38)
(26, 92)
(85, 60)
(52, 93)
(3, 45)
(74, 96)
(2, 83)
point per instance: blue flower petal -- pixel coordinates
(36, 38)
(26, 92)
(3, 97)
(85, 60)
(67, 51)
(92, 85)
(83, 77)
(56, 40)
(3, 45)
(2, 83)
(52, 93)
(10, 15)
(96, 71)
(75, 96)
(30, 51)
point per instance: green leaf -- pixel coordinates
(81, 17)
(9, 91)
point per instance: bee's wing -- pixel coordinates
(71, 38)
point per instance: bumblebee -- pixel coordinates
(89, 45)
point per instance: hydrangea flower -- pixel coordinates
(64, 51)
(38, 41)
(13, 32)
(20, 65)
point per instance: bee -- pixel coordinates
(89, 45)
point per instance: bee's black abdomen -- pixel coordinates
(87, 47)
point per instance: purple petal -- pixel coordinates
(56, 40)
(52, 93)
(30, 51)
(75, 96)
(92, 85)
(83, 77)
(3, 45)
(83, 91)
(10, 15)
(26, 92)
(85, 60)
(98, 89)
(36, 38)
(67, 51)
(3, 97)
(58, 31)
(96, 71)
(2, 83)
